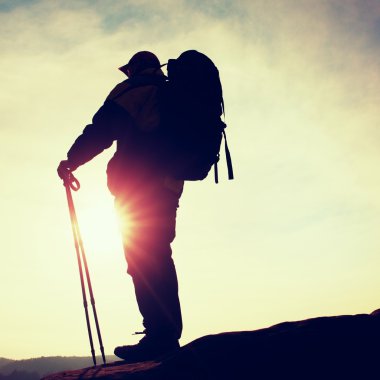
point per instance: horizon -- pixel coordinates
(294, 236)
(54, 356)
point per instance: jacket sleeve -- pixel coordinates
(107, 125)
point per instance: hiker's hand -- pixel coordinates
(64, 169)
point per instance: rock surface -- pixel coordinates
(342, 347)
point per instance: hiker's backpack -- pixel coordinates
(191, 109)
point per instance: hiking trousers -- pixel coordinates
(148, 222)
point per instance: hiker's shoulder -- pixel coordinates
(141, 83)
(119, 89)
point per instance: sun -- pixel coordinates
(99, 228)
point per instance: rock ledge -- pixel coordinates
(341, 347)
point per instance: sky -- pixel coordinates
(294, 236)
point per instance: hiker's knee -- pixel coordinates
(148, 263)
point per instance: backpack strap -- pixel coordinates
(228, 154)
(228, 158)
(216, 175)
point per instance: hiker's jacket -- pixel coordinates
(130, 116)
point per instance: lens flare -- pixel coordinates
(127, 220)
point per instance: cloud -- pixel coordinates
(301, 84)
(301, 80)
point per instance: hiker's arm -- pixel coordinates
(106, 127)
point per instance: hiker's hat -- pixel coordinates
(141, 61)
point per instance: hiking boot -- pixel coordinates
(147, 349)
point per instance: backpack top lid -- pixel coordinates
(195, 74)
(191, 63)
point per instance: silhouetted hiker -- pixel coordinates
(146, 200)
(168, 129)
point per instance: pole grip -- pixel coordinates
(71, 181)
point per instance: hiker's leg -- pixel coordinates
(149, 256)
(157, 298)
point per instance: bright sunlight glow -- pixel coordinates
(99, 228)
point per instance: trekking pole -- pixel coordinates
(70, 182)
